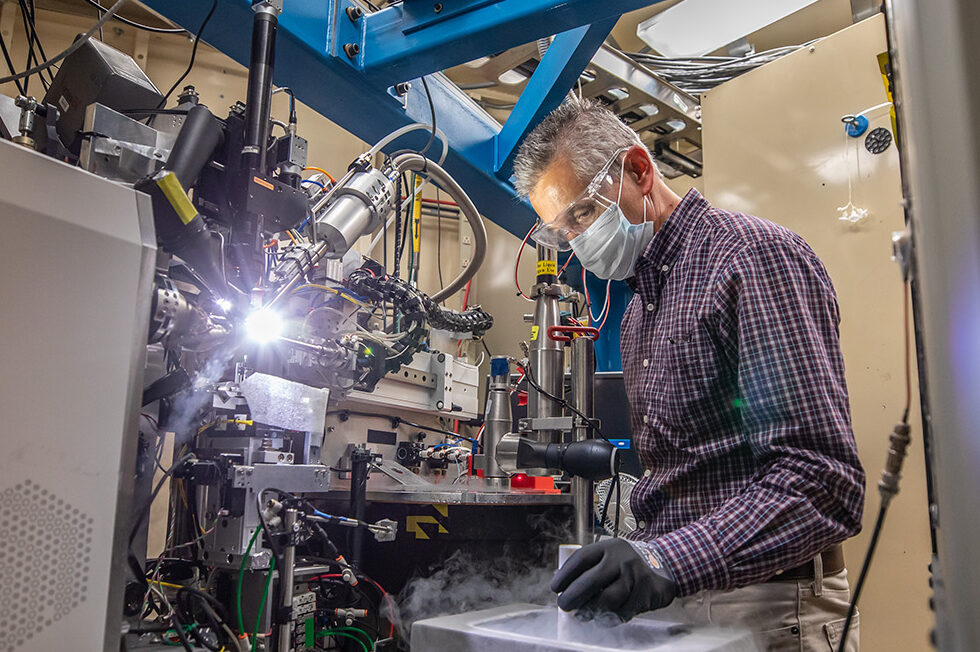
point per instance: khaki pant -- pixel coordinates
(787, 616)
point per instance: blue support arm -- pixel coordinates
(558, 71)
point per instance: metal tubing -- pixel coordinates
(583, 397)
(286, 581)
(498, 418)
(259, 95)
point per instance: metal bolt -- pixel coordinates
(354, 13)
(401, 89)
(352, 50)
(437, 7)
(439, 405)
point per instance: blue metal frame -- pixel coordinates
(416, 38)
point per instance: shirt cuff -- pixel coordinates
(694, 558)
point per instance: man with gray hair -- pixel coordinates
(740, 413)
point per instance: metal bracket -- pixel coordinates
(288, 477)
(546, 423)
(400, 474)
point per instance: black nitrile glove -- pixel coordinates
(611, 576)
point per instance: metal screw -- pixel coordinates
(352, 50)
(437, 7)
(354, 13)
(401, 89)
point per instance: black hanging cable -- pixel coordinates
(396, 262)
(190, 64)
(10, 64)
(30, 30)
(852, 608)
(32, 59)
(133, 23)
(432, 111)
(888, 485)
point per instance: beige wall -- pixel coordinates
(774, 147)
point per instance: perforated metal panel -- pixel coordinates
(43, 577)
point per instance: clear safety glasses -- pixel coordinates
(601, 193)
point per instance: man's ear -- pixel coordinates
(641, 167)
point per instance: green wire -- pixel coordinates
(334, 632)
(265, 594)
(241, 575)
(366, 636)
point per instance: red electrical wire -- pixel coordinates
(517, 263)
(466, 295)
(391, 606)
(562, 270)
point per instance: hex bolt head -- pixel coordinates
(354, 13)
(352, 50)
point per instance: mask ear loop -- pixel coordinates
(622, 175)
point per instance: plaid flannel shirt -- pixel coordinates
(739, 406)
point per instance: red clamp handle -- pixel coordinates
(554, 333)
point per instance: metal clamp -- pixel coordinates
(581, 331)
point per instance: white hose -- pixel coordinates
(401, 131)
(420, 164)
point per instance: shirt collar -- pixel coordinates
(667, 243)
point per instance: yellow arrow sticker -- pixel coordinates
(534, 332)
(414, 524)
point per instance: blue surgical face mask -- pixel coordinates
(610, 247)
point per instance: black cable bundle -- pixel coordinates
(414, 304)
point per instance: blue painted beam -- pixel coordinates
(310, 59)
(340, 93)
(413, 38)
(560, 67)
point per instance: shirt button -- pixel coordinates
(647, 473)
(646, 419)
(641, 524)
(649, 307)
(665, 269)
(646, 362)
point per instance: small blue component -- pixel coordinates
(625, 444)
(857, 127)
(499, 366)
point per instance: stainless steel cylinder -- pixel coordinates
(583, 398)
(546, 355)
(498, 418)
(356, 208)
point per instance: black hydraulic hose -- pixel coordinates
(258, 103)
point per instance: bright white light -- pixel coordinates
(696, 27)
(263, 326)
(224, 304)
